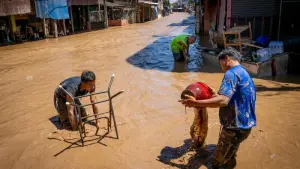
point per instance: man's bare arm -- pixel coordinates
(71, 114)
(95, 108)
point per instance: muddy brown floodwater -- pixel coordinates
(153, 126)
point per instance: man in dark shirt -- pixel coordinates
(236, 99)
(75, 86)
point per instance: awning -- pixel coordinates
(82, 2)
(93, 2)
(123, 8)
(14, 7)
(110, 4)
(54, 9)
(148, 3)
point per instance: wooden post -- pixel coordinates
(225, 41)
(64, 26)
(240, 42)
(45, 28)
(71, 15)
(113, 14)
(55, 28)
(150, 18)
(105, 15)
(143, 9)
(228, 15)
(84, 16)
(222, 17)
(88, 16)
(99, 11)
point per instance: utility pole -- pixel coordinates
(105, 15)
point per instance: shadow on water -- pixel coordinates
(55, 121)
(295, 79)
(281, 88)
(76, 142)
(200, 156)
(158, 55)
(185, 22)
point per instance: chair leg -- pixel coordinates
(109, 121)
(84, 133)
(80, 133)
(115, 124)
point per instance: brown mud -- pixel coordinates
(153, 128)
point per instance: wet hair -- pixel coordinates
(87, 76)
(231, 53)
(193, 37)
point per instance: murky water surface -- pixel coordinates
(153, 126)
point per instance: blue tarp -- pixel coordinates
(54, 9)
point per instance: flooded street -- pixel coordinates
(153, 126)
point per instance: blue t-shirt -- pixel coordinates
(240, 111)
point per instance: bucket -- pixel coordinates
(199, 90)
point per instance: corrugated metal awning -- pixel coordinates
(14, 7)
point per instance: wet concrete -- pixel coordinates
(152, 124)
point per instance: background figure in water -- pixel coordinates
(180, 46)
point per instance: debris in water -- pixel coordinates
(29, 78)
(273, 155)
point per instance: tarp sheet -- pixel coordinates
(14, 7)
(54, 9)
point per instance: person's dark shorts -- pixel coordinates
(228, 144)
(62, 110)
(179, 57)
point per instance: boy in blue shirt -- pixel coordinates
(236, 99)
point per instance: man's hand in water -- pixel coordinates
(190, 101)
(185, 54)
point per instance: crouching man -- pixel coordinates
(75, 86)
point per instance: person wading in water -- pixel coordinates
(76, 86)
(236, 99)
(180, 46)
